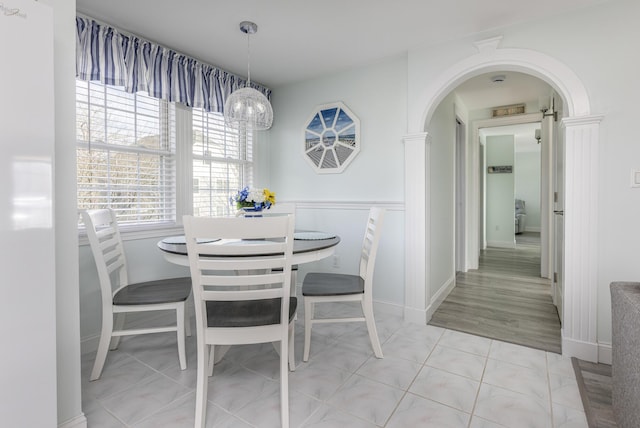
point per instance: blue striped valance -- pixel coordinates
(113, 58)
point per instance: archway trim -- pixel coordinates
(581, 141)
(490, 58)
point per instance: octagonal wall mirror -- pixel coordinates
(331, 138)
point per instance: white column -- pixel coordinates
(416, 217)
(579, 328)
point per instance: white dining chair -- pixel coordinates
(120, 297)
(323, 287)
(252, 306)
(279, 209)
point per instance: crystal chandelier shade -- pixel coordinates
(248, 106)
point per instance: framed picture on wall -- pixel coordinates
(331, 138)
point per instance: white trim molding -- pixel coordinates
(416, 150)
(605, 355)
(350, 205)
(587, 351)
(501, 244)
(581, 234)
(79, 421)
(492, 58)
(439, 297)
(579, 334)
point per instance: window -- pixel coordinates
(132, 157)
(126, 154)
(222, 163)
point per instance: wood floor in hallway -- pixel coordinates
(505, 299)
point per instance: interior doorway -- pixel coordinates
(524, 128)
(580, 130)
(520, 208)
(502, 278)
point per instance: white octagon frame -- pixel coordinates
(332, 149)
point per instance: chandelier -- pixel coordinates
(248, 106)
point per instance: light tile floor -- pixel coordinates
(429, 377)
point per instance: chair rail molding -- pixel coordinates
(416, 158)
(346, 205)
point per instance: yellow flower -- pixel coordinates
(269, 196)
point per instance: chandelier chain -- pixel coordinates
(248, 59)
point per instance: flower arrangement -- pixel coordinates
(258, 199)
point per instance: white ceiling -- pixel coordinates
(300, 39)
(481, 92)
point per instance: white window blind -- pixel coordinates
(222, 163)
(126, 154)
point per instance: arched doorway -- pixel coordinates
(581, 137)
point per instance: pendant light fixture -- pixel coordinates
(248, 106)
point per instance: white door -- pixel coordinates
(546, 194)
(558, 217)
(460, 196)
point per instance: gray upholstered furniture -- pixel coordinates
(625, 311)
(520, 216)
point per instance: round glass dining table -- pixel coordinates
(308, 246)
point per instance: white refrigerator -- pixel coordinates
(27, 274)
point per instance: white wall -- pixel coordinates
(377, 96)
(591, 42)
(527, 176)
(441, 185)
(500, 192)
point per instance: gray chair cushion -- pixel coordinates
(331, 284)
(152, 292)
(247, 313)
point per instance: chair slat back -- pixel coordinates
(107, 248)
(251, 248)
(370, 244)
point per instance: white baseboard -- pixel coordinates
(388, 308)
(604, 353)
(532, 229)
(89, 344)
(79, 421)
(586, 351)
(414, 315)
(439, 297)
(501, 244)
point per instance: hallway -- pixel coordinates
(505, 298)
